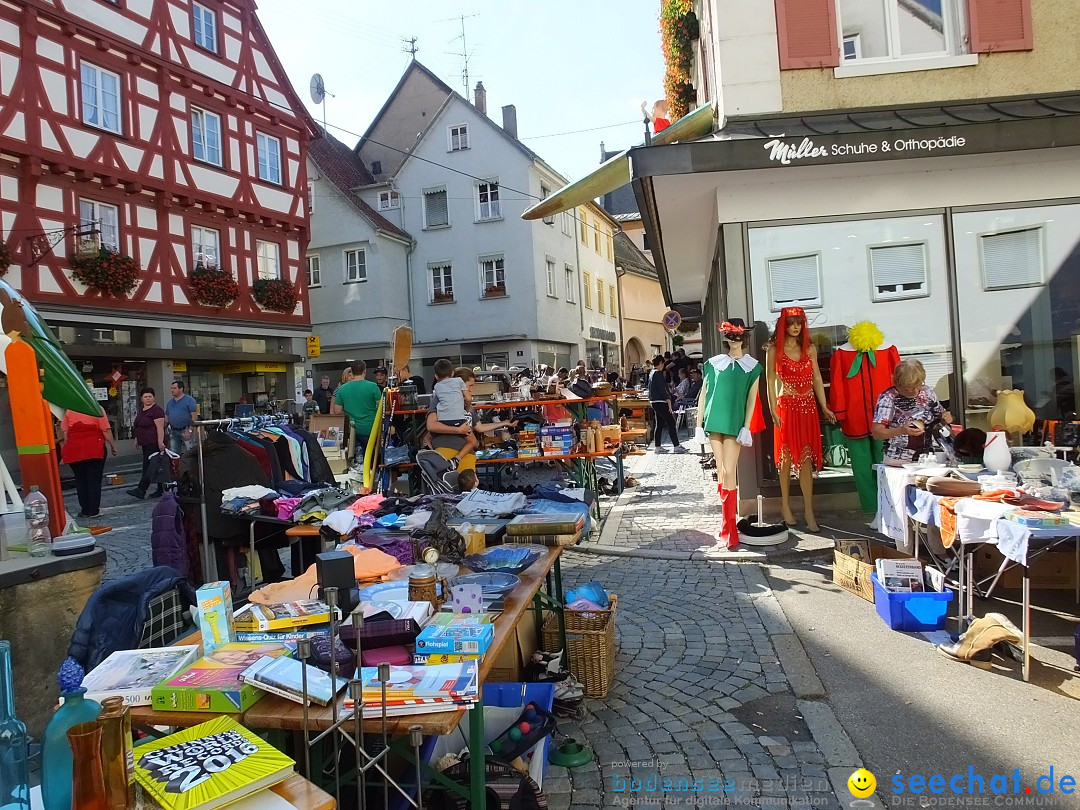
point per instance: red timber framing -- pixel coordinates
(51, 159)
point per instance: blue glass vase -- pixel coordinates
(14, 762)
(56, 758)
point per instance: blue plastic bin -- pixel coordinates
(911, 612)
(509, 695)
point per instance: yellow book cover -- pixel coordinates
(208, 766)
(286, 616)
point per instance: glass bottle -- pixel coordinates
(88, 774)
(14, 764)
(56, 761)
(117, 754)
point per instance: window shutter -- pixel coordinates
(1000, 25)
(435, 208)
(1012, 259)
(807, 34)
(899, 271)
(795, 281)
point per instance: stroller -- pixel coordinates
(435, 470)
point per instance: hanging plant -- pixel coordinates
(213, 288)
(5, 259)
(679, 29)
(275, 294)
(108, 270)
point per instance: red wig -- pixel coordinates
(780, 331)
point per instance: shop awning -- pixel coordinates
(686, 191)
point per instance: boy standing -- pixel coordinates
(452, 403)
(311, 407)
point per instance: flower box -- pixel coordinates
(212, 287)
(275, 294)
(108, 271)
(494, 292)
(442, 299)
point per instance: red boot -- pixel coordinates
(729, 504)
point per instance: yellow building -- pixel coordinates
(599, 287)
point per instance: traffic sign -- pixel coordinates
(314, 349)
(671, 320)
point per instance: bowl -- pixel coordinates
(971, 468)
(385, 592)
(502, 559)
(444, 570)
(493, 584)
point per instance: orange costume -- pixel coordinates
(798, 437)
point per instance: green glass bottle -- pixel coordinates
(14, 759)
(56, 757)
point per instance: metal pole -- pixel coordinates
(331, 600)
(303, 652)
(358, 707)
(202, 513)
(416, 739)
(384, 677)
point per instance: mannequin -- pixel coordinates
(658, 117)
(794, 383)
(861, 369)
(729, 412)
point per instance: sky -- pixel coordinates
(566, 65)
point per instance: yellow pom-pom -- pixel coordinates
(865, 336)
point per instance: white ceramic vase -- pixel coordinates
(996, 455)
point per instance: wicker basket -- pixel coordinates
(590, 639)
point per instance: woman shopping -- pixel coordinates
(149, 430)
(83, 449)
(904, 412)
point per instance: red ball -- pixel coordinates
(525, 727)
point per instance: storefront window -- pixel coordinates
(891, 271)
(1018, 278)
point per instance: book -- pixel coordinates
(207, 766)
(549, 523)
(432, 659)
(281, 636)
(285, 616)
(132, 674)
(455, 638)
(212, 683)
(901, 576)
(284, 676)
(449, 681)
(448, 617)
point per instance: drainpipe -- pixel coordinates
(619, 273)
(581, 279)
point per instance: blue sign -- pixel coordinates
(671, 320)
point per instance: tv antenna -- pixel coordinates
(409, 46)
(317, 88)
(465, 53)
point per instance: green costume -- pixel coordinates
(727, 386)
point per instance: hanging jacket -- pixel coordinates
(225, 465)
(854, 398)
(114, 615)
(168, 540)
(319, 471)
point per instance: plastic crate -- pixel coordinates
(510, 695)
(911, 612)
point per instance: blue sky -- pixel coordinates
(566, 65)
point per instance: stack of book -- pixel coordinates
(557, 440)
(556, 528)
(132, 674)
(212, 684)
(419, 689)
(528, 441)
(436, 629)
(290, 621)
(285, 677)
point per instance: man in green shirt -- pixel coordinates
(359, 399)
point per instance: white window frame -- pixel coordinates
(457, 137)
(268, 259)
(201, 12)
(425, 193)
(571, 284)
(490, 208)
(552, 285)
(955, 53)
(444, 271)
(314, 270)
(203, 117)
(103, 215)
(1040, 236)
(879, 296)
(355, 264)
(389, 200)
(95, 94)
(497, 272)
(810, 303)
(856, 42)
(568, 223)
(211, 259)
(545, 192)
(268, 160)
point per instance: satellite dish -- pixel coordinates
(317, 89)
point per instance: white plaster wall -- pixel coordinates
(748, 66)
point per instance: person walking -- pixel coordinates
(149, 430)
(83, 447)
(180, 410)
(660, 400)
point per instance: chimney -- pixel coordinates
(603, 152)
(510, 120)
(480, 96)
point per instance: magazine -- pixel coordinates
(284, 676)
(453, 681)
(900, 576)
(131, 674)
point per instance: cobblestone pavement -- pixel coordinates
(127, 545)
(699, 694)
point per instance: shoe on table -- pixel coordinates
(681, 449)
(137, 493)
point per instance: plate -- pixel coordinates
(385, 592)
(444, 570)
(491, 583)
(502, 559)
(913, 467)
(971, 468)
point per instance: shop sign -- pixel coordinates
(179, 365)
(100, 394)
(596, 333)
(314, 348)
(808, 150)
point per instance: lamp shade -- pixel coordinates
(1011, 413)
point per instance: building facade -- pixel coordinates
(484, 288)
(166, 132)
(909, 162)
(357, 262)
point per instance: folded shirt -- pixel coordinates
(253, 492)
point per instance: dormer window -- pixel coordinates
(458, 138)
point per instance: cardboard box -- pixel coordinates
(1054, 570)
(852, 573)
(509, 665)
(215, 615)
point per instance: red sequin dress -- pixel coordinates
(798, 438)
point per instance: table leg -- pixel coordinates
(477, 758)
(1027, 623)
(961, 595)
(557, 568)
(1076, 541)
(621, 475)
(251, 553)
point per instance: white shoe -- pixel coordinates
(661, 450)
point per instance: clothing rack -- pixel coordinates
(209, 563)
